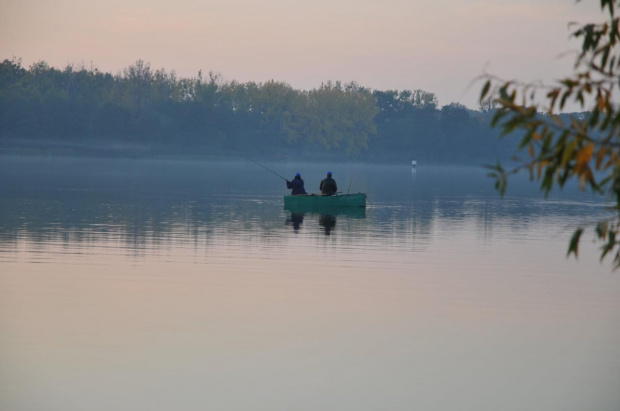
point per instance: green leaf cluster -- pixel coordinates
(584, 148)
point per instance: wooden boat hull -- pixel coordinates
(314, 202)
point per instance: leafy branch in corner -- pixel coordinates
(586, 147)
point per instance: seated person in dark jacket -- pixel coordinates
(297, 185)
(328, 185)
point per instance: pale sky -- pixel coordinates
(440, 46)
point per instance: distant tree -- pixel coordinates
(12, 105)
(11, 72)
(280, 108)
(424, 99)
(339, 117)
(111, 120)
(136, 81)
(488, 105)
(455, 118)
(583, 147)
(406, 124)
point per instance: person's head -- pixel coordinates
(297, 175)
(329, 174)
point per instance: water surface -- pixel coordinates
(159, 285)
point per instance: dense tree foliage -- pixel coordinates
(141, 111)
(585, 148)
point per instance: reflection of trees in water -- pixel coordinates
(150, 222)
(136, 223)
(145, 220)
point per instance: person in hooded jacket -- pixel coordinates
(328, 185)
(297, 185)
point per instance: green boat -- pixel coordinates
(316, 202)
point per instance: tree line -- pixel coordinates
(156, 112)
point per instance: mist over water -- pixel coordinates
(137, 284)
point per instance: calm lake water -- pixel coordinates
(163, 285)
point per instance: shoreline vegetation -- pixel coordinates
(146, 113)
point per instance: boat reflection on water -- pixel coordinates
(327, 216)
(296, 220)
(328, 222)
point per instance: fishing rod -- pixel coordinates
(268, 169)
